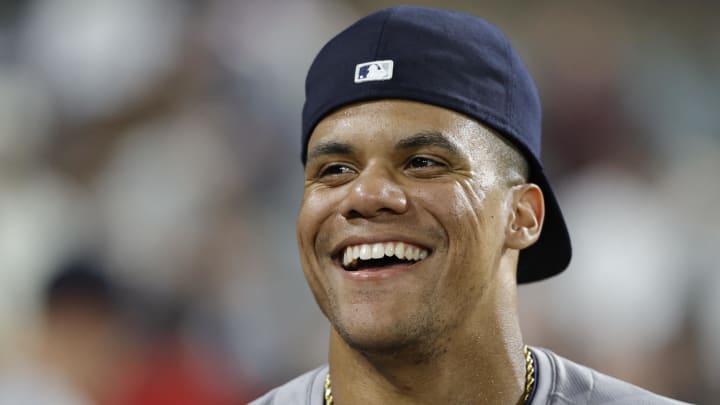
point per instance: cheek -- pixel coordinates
(473, 223)
(308, 224)
(457, 207)
(313, 209)
(467, 209)
(484, 226)
(306, 228)
(313, 225)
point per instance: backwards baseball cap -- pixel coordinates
(452, 60)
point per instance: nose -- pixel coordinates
(373, 193)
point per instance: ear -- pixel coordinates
(526, 218)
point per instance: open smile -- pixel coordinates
(380, 255)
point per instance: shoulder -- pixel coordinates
(306, 389)
(561, 381)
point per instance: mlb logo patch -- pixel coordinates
(374, 71)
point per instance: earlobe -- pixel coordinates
(526, 219)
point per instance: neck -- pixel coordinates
(481, 362)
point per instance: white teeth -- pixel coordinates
(408, 253)
(400, 250)
(366, 251)
(378, 250)
(389, 249)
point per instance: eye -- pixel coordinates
(419, 162)
(335, 170)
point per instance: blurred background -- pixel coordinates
(150, 177)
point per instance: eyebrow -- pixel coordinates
(330, 148)
(425, 139)
(416, 141)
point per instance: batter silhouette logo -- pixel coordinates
(376, 70)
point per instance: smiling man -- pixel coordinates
(425, 205)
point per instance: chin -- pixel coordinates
(368, 342)
(414, 335)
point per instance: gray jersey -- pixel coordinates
(559, 382)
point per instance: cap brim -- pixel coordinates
(551, 253)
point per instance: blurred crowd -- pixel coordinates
(150, 176)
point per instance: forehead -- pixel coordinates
(389, 121)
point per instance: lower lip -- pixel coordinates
(378, 273)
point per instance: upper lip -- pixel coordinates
(378, 238)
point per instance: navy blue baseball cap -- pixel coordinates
(452, 60)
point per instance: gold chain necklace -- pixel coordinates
(529, 373)
(529, 379)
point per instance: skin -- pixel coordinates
(445, 329)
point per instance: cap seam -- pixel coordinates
(382, 32)
(510, 81)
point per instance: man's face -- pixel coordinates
(414, 190)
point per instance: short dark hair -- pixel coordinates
(511, 163)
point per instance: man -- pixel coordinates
(425, 204)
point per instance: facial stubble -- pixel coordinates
(415, 336)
